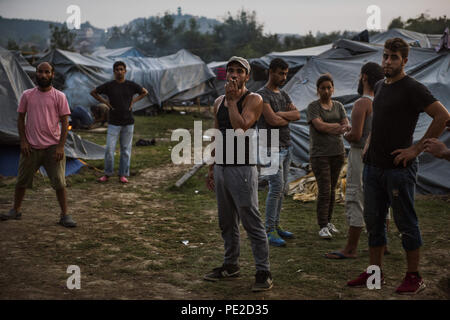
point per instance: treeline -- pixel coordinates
(423, 23)
(240, 34)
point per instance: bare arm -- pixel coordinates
(366, 146)
(210, 177)
(59, 154)
(331, 128)
(25, 147)
(250, 114)
(139, 97)
(437, 148)
(359, 114)
(440, 115)
(100, 99)
(273, 118)
(292, 114)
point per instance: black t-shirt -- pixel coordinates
(120, 96)
(396, 109)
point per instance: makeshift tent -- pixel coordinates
(414, 38)
(294, 58)
(117, 53)
(344, 61)
(163, 77)
(13, 81)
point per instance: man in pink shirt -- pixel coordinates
(42, 140)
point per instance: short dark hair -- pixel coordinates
(278, 63)
(50, 64)
(119, 63)
(323, 78)
(397, 45)
(374, 73)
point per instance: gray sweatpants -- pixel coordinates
(237, 199)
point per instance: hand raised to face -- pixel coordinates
(232, 91)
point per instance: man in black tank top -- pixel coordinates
(236, 182)
(390, 170)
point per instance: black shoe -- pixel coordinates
(226, 271)
(12, 214)
(67, 221)
(263, 281)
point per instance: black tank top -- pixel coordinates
(223, 119)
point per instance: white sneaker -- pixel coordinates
(324, 233)
(332, 228)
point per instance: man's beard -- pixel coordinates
(43, 83)
(393, 73)
(360, 87)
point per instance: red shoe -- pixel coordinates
(411, 284)
(123, 179)
(103, 179)
(361, 281)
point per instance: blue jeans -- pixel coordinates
(277, 185)
(125, 136)
(395, 188)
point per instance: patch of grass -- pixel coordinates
(153, 238)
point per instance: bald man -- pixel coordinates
(42, 140)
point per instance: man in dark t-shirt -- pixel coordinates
(120, 101)
(278, 111)
(390, 162)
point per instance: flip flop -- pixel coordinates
(339, 256)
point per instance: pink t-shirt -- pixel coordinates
(43, 111)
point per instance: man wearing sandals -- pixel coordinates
(42, 141)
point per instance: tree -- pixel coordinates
(423, 23)
(61, 37)
(396, 23)
(12, 45)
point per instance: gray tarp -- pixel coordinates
(13, 81)
(424, 40)
(117, 53)
(347, 57)
(163, 77)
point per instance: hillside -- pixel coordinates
(36, 33)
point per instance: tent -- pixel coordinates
(163, 77)
(414, 38)
(13, 81)
(344, 61)
(117, 53)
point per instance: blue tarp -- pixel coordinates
(9, 162)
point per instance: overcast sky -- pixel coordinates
(278, 16)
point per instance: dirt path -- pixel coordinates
(111, 244)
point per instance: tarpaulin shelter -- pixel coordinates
(163, 77)
(13, 81)
(117, 53)
(344, 61)
(421, 40)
